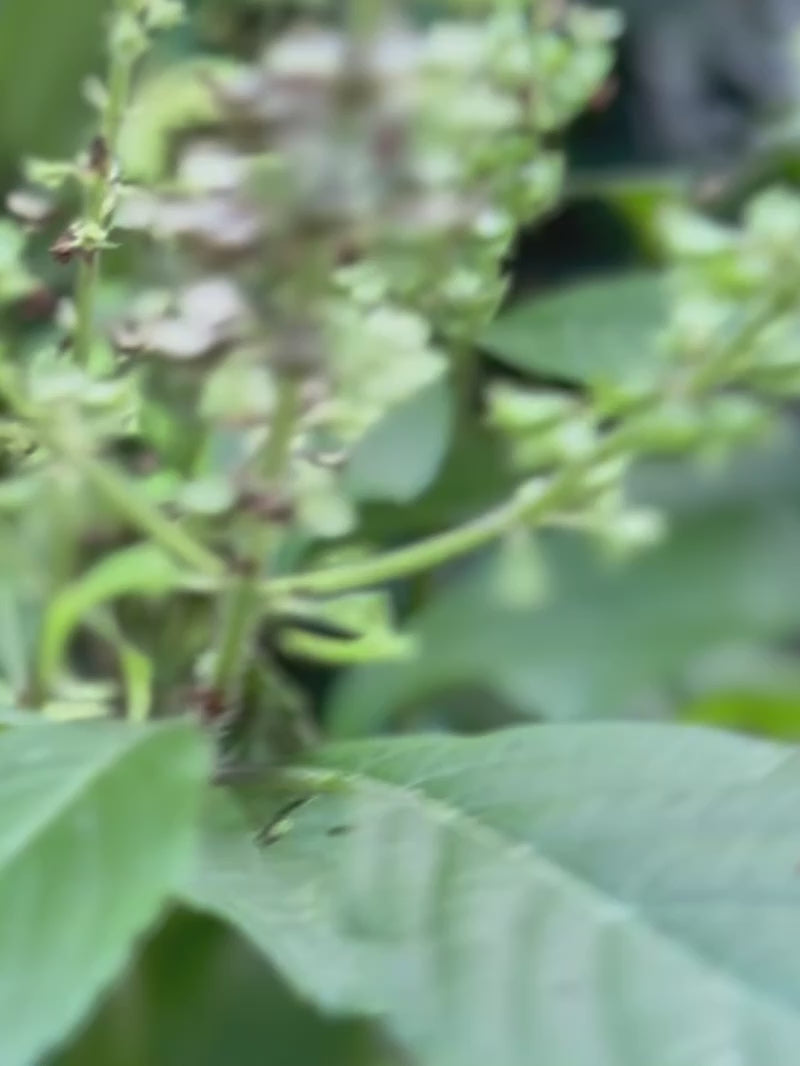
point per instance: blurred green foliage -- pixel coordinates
(199, 995)
(47, 49)
(701, 628)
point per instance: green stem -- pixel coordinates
(444, 547)
(85, 299)
(239, 606)
(465, 370)
(99, 186)
(119, 491)
(403, 562)
(242, 606)
(276, 453)
(125, 497)
(433, 551)
(120, 78)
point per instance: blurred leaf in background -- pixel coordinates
(47, 49)
(199, 995)
(610, 639)
(595, 331)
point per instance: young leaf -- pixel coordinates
(594, 332)
(576, 896)
(398, 458)
(520, 579)
(166, 103)
(96, 825)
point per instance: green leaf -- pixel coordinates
(322, 508)
(755, 477)
(503, 900)
(204, 997)
(14, 648)
(96, 825)
(175, 99)
(521, 579)
(747, 689)
(766, 714)
(15, 279)
(640, 197)
(46, 49)
(594, 332)
(265, 901)
(720, 578)
(381, 356)
(475, 475)
(398, 458)
(20, 602)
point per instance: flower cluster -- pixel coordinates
(323, 234)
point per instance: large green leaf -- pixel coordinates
(20, 606)
(96, 825)
(596, 331)
(604, 895)
(282, 905)
(609, 638)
